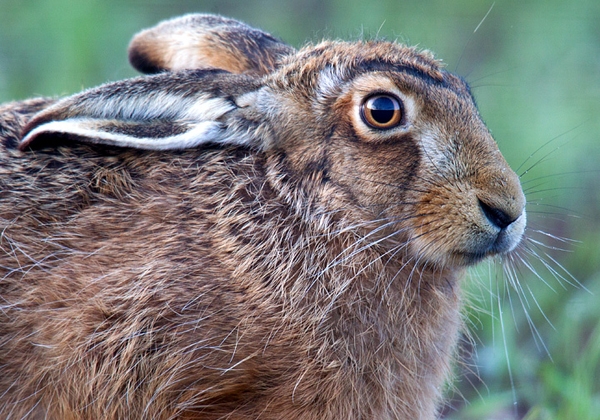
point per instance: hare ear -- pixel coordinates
(162, 112)
(206, 41)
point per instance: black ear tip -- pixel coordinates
(43, 140)
(26, 138)
(141, 62)
(23, 146)
(32, 142)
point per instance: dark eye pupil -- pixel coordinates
(382, 109)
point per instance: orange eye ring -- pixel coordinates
(382, 111)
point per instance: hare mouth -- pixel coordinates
(500, 242)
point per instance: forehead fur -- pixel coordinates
(365, 56)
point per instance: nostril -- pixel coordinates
(496, 216)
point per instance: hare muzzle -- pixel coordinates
(481, 211)
(475, 197)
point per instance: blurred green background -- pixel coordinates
(535, 71)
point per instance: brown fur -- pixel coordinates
(310, 273)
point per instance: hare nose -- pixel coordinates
(501, 218)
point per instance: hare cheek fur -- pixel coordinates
(234, 238)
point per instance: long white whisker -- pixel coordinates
(506, 353)
(556, 238)
(573, 282)
(543, 314)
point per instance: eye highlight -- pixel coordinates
(382, 111)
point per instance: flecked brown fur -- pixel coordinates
(311, 271)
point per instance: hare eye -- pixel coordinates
(382, 111)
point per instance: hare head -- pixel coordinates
(376, 183)
(395, 137)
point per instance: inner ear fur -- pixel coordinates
(206, 41)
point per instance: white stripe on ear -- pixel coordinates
(90, 132)
(153, 105)
(184, 123)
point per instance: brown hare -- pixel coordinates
(254, 232)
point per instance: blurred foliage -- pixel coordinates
(535, 71)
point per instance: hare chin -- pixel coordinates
(470, 251)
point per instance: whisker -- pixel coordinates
(386, 184)
(471, 36)
(560, 210)
(558, 276)
(473, 81)
(554, 189)
(543, 314)
(506, 353)
(341, 257)
(554, 237)
(556, 175)
(540, 148)
(536, 274)
(510, 302)
(537, 337)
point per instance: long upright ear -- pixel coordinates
(206, 41)
(166, 111)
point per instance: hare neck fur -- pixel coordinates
(378, 328)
